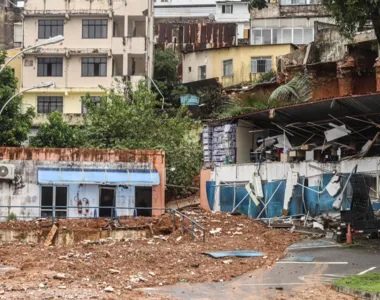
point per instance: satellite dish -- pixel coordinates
(211, 17)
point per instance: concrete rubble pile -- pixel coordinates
(324, 225)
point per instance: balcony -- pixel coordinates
(71, 119)
(133, 45)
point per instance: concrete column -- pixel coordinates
(205, 176)
(158, 192)
(345, 70)
(377, 69)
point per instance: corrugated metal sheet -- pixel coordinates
(197, 36)
(360, 105)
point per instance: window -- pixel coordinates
(50, 28)
(267, 36)
(17, 33)
(261, 64)
(227, 9)
(53, 196)
(50, 67)
(227, 68)
(95, 99)
(287, 35)
(308, 35)
(298, 36)
(94, 67)
(48, 104)
(300, 2)
(202, 73)
(95, 29)
(257, 37)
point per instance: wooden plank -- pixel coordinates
(51, 235)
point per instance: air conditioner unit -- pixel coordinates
(7, 172)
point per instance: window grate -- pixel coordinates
(50, 28)
(95, 29)
(261, 64)
(50, 67)
(49, 104)
(94, 67)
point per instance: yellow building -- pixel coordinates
(16, 64)
(232, 65)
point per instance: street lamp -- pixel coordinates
(40, 86)
(53, 40)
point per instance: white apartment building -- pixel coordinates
(287, 21)
(104, 40)
(234, 11)
(164, 9)
(220, 11)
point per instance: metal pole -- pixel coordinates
(183, 224)
(239, 203)
(50, 41)
(53, 214)
(270, 199)
(174, 219)
(18, 94)
(155, 85)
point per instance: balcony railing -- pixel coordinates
(300, 2)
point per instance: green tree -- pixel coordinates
(166, 77)
(14, 125)
(57, 134)
(297, 90)
(165, 65)
(137, 122)
(349, 15)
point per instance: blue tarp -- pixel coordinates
(313, 203)
(234, 253)
(98, 176)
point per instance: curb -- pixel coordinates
(356, 293)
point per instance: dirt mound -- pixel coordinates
(134, 263)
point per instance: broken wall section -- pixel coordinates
(338, 67)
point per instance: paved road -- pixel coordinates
(330, 263)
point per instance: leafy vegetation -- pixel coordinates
(265, 77)
(14, 125)
(11, 217)
(298, 90)
(295, 91)
(57, 134)
(137, 123)
(165, 75)
(236, 106)
(352, 15)
(366, 282)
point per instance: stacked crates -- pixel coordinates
(219, 145)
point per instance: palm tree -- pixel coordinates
(295, 91)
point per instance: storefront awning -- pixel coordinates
(63, 176)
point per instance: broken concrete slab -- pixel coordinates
(234, 253)
(5, 269)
